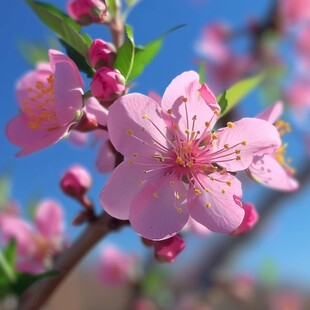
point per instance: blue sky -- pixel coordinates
(285, 239)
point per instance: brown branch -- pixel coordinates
(214, 260)
(38, 294)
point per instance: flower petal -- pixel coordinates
(200, 106)
(49, 219)
(92, 106)
(268, 171)
(131, 126)
(106, 159)
(216, 207)
(272, 113)
(68, 87)
(235, 147)
(121, 188)
(156, 213)
(12, 227)
(31, 140)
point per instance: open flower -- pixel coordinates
(272, 169)
(175, 167)
(36, 245)
(50, 98)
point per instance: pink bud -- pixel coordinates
(250, 218)
(76, 182)
(167, 250)
(108, 84)
(87, 122)
(87, 11)
(102, 54)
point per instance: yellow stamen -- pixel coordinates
(244, 142)
(155, 195)
(197, 191)
(229, 182)
(230, 125)
(208, 205)
(129, 132)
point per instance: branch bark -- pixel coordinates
(38, 294)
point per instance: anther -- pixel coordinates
(230, 125)
(223, 171)
(237, 151)
(135, 154)
(184, 99)
(244, 142)
(144, 116)
(187, 131)
(214, 136)
(238, 158)
(223, 191)
(179, 210)
(208, 205)
(197, 192)
(139, 182)
(207, 124)
(129, 132)
(229, 182)
(171, 183)
(216, 112)
(130, 162)
(226, 146)
(215, 169)
(155, 195)
(175, 127)
(208, 190)
(169, 111)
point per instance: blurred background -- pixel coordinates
(267, 268)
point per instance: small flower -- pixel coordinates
(86, 12)
(115, 267)
(250, 218)
(297, 94)
(272, 169)
(167, 250)
(37, 244)
(76, 182)
(50, 99)
(108, 84)
(101, 54)
(175, 166)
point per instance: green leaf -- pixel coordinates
(5, 191)
(6, 270)
(33, 53)
(202, 72)
(79, 60)
(145, 54)
(65, 27)
(25, 280)
(125, 55)
(10, 253)
(111, 6)
(237, 92)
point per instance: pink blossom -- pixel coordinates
(303, 41)
(76, 182)
(213, 42)
(250, 218)
(37, 244)
(77, 138)
(50, 98)
(167, 250)
(88, 11)
(297, 94)
(196, 228)
(294, 12)
(101, 54)
(286, 300)
(175, 167)
(108, 84)
(272, 169)
(115, 267)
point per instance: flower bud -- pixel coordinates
(108, 84)
(86, 12)
(167, 250)
(102, 54)
(76, 182)
(88, 122)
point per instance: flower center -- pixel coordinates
(40, 106)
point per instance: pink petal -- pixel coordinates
(120, 189)
(30, 266)
(12, 227)
(106, 159)
(155, 212)
(78, 138)
(31, 140)
(218, 209)
(257, 136)
(49, 219)
(92, 106)
(155, 97)
(250, 218)
(268, 171)
(202, 107)
(68, 87)
(272, 113)
(196, 228)
(129, 132)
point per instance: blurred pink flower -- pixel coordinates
(106, 159)
(37, 244)
(297, 94)
(101, 54)
(170, 172)
(272, 169)
(115, 267)
(76, 182)
(286, 300)
(78, 138)
(108, 84)
(213, 42)
(167, 250)
(303, 41)
(250, 218)
(50, 99)
(293, 12)
(88, 11)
